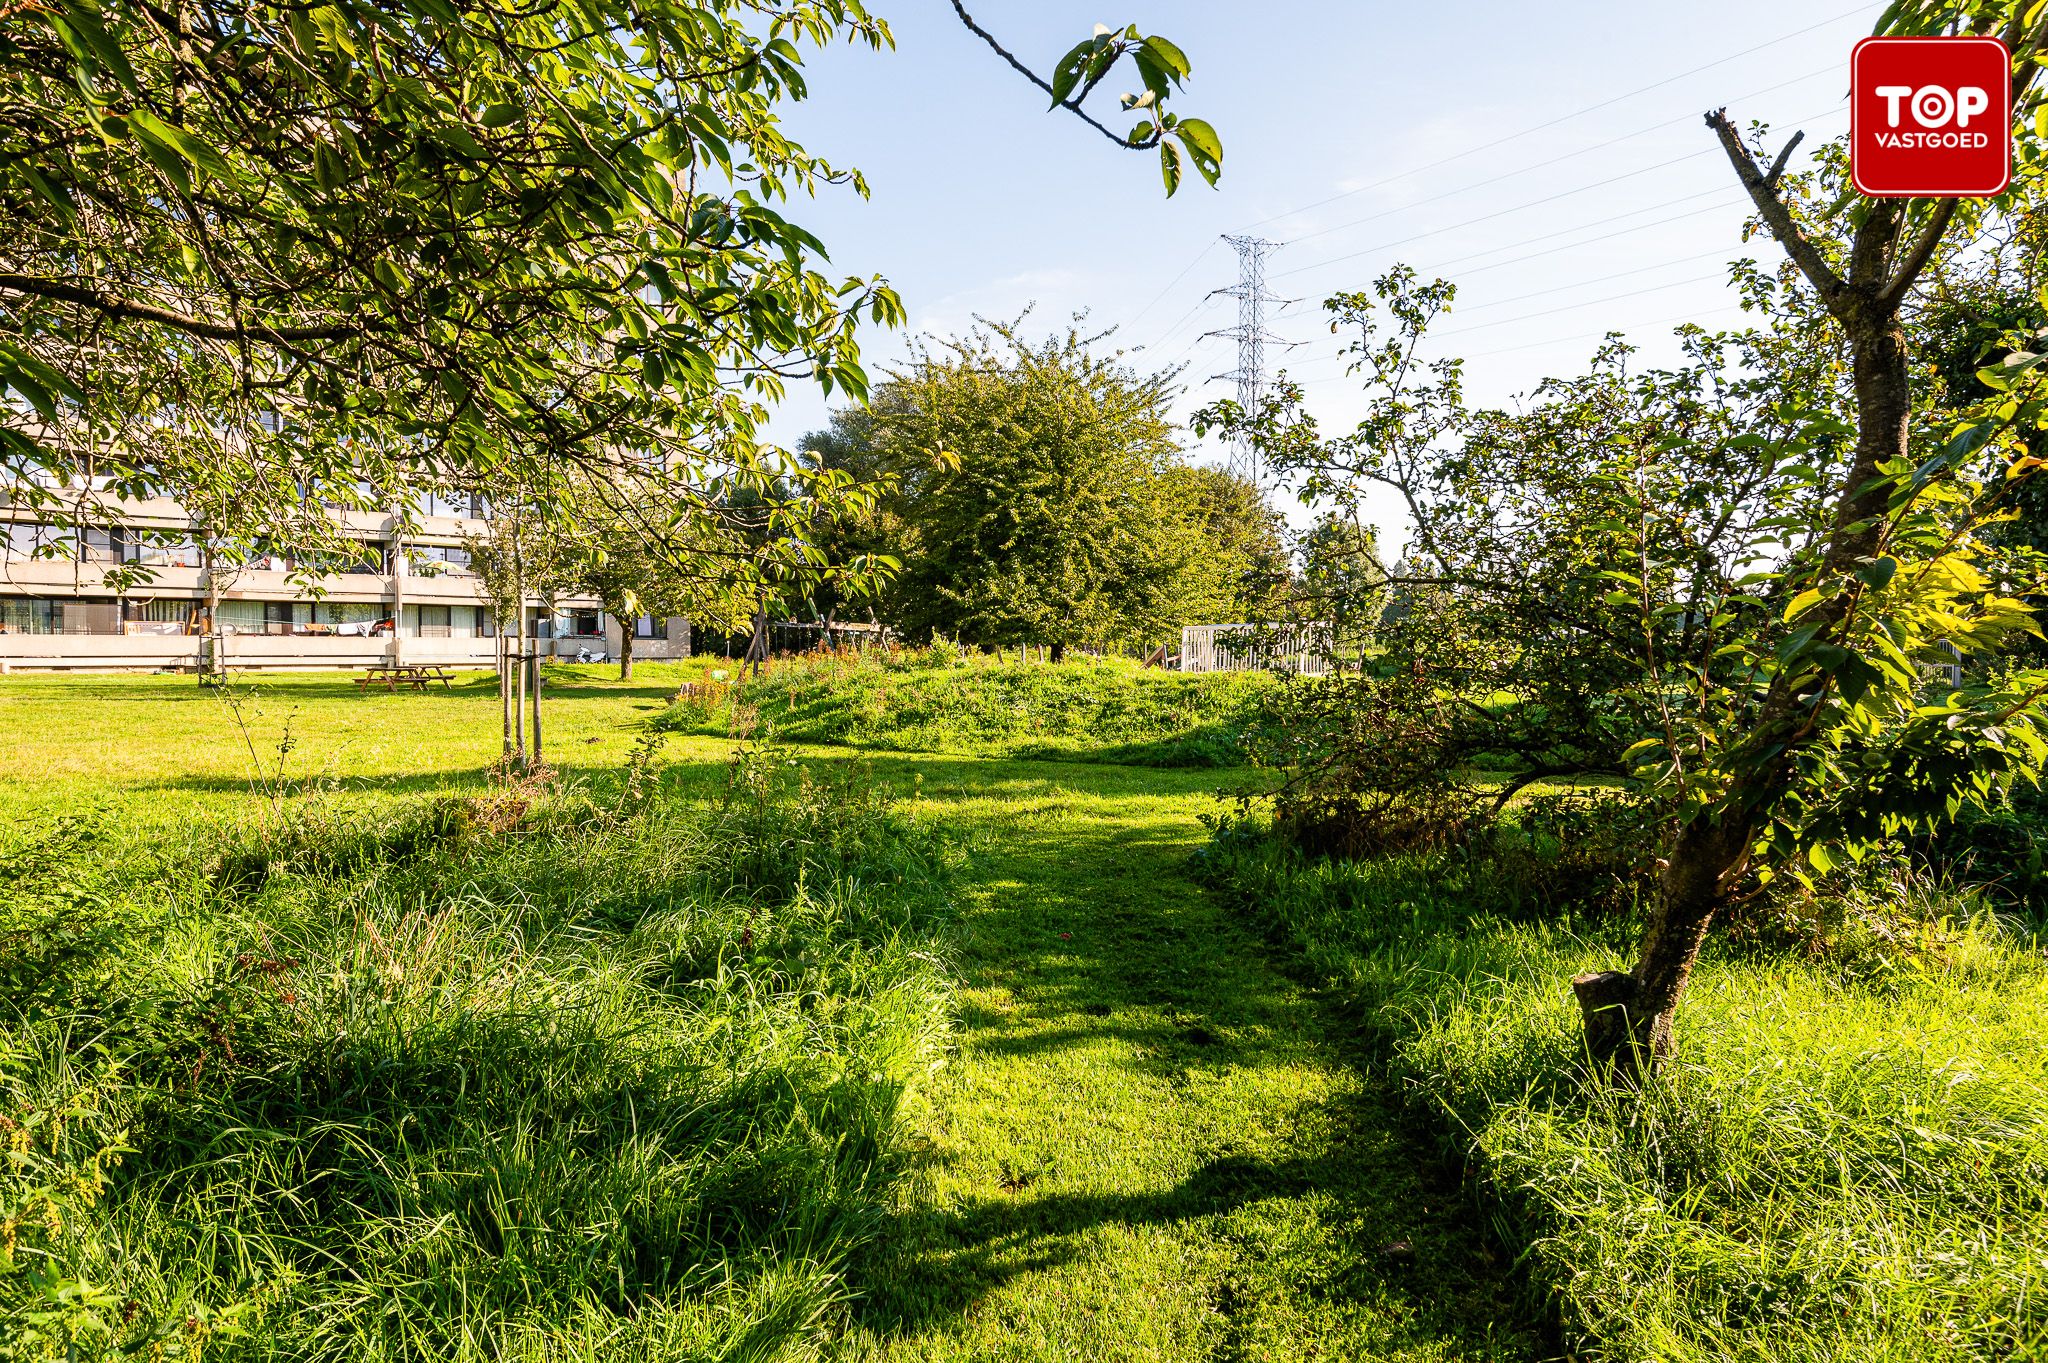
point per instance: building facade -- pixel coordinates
(405, 595)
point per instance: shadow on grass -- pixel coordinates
(1098, 941)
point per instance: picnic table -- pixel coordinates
(415, 675)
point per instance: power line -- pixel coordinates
(1578, 113)
(1564, 288)
(1573, 307)
(1517, 208)
(1587, 283)
(1185, 272)
(1729, 197)
(1595, 335)
(1541, 165)
(1598, 146)
(1180, 321)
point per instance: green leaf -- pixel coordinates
(1201, 138)
(154, 129)
(1205, 149)
(86, 37)
(1878, 573)
(501, 115)
(1170, 56)
(1170, 165)
(1067, 74)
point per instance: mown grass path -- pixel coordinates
(1152, 1143)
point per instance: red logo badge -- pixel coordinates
(1930, 117)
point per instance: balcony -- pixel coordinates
(117, 652)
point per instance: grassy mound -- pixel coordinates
(1848, 1161)
(512, 1076)
(938, 701)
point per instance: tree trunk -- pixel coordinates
(1059, 652)
(538, 679)
(519, 684)
(505, 688)
(625, 649)
(1631, 1016)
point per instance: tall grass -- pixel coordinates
(541, 1078)
(941, 700)
(1849, 1160)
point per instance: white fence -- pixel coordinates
(1303, 650)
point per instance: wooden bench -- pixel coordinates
(415, 675)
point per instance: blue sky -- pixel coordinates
(1463, 139)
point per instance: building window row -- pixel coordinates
(170, 549)
(182, 616)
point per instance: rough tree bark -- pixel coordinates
(625, 648)
(1630, 1017)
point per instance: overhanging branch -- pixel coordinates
(110, 306)
(1072, 106)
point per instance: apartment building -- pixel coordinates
(399, 594)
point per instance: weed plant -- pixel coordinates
(944, 700)
(1848, 1160)
(531, 1075)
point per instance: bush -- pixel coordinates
(630, 1078)
(2003, 847)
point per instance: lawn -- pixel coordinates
(733, 1051)
(816, 1054)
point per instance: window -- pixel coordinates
(435, 622)
(442, 503)
(162, 549)
(647, 627)
(437, 560)
(240, 617)
(42, 615)
(105, 544)
(266, 558)
(583, 622)
(277, 617)
(346, 612)
(486, 627)
(31, 615)
(154, 616)
(361, 560)
(28, 539)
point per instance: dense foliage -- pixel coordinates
(1766, 589)
(456, 245)
(1037, 496)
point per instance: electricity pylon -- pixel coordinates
(1251, 336)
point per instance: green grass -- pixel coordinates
(716, 1077)
(163, 749)
(366, 1073)
(938, 700)
(1849, 1160)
